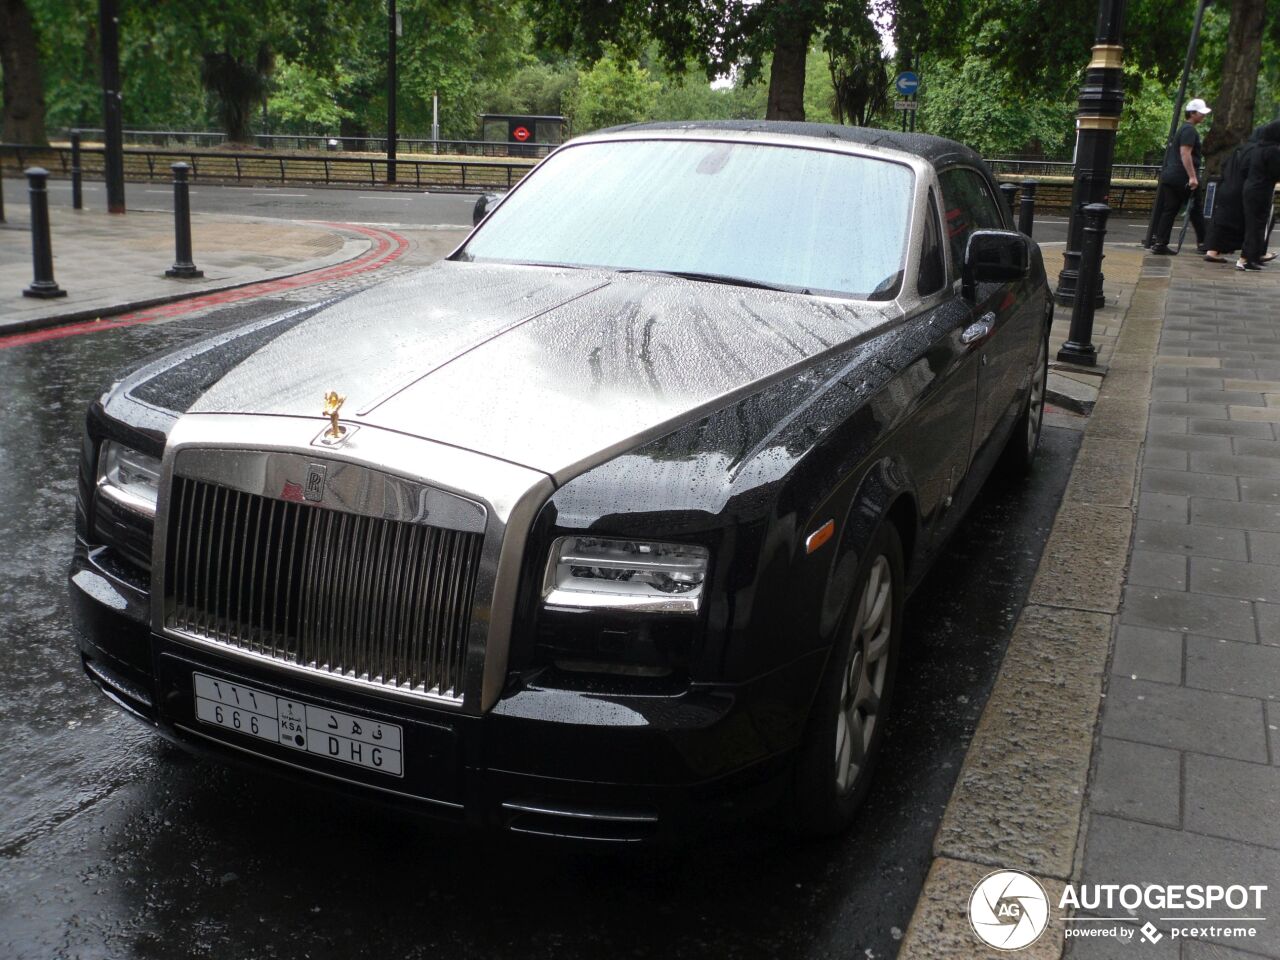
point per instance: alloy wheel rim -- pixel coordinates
(864, 679)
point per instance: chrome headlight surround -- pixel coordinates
(640, 576)
(129, 478)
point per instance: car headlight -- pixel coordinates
(130, 478)
(638, 575)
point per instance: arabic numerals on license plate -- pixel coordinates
(359, 741)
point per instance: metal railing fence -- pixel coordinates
(293, 141)
(255, 167)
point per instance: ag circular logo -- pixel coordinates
(1008, 910)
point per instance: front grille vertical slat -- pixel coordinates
(307, 593)
(410, 570)
(376, 605)
(440, 606)
(280, 637)
(219, 596)
(325, 594)
(178, 537)
(386, 603)
(270, 571)
(241, 553)
(199, 591)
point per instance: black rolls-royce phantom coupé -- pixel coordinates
(603, 524)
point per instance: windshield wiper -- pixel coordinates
(714, 278)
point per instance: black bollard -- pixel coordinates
(1027, 207)
(77, 197)
(1009, 191)
(43, 286)
(1079, 347)
(182, 265)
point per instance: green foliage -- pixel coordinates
(159, 73)
(858, 69)
(1041, 42)
(308, 100)
(536, 88)
(983, 106)
(819, 95)
(1144, 125)
(615, 90)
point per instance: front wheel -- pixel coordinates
(846, 727)
(1020, 454)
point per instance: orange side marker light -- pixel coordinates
(819, 536)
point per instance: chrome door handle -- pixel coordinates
(977, 331)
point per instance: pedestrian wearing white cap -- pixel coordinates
(1179, 180)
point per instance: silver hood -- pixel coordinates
(553, 369)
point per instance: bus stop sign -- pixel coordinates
(521, 133)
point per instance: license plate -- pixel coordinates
(300, 726)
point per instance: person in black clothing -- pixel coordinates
(1263, 170)
(1254, 163)
(1179, 180)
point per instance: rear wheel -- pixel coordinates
(846, 728)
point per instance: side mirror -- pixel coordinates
(484, 203)
(994, 256)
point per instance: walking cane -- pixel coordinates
(1186, 219)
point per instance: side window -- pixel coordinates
(969, 205)
(933, 269)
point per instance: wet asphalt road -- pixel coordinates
(289, 202)
(404, 207)
(113, 844)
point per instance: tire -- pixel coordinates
(1020, 452)
(832, 775)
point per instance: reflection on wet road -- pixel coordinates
(113, 844)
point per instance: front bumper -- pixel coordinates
(544, 761)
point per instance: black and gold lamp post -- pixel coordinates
(1101, 100)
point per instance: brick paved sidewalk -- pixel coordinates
(1186, 781)
(108, 264)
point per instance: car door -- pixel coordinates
(945, 373)
(996, 333)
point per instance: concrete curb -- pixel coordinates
(1019, 800)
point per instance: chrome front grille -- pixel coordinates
(378, 601)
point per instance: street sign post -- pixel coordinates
(907, 83)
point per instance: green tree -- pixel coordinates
(1237, 95)
(535, 88)
(307, 100)
(981, 105)
(238, 42)
(859, 70)
(615, 90)
(24, 109)
(725, 36)
(1144, 125)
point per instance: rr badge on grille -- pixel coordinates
(313, 489)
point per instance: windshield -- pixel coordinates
(783, 216)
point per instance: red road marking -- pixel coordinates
(387, 248)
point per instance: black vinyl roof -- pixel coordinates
(937, 150)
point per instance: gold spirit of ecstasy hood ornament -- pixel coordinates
(332, 404)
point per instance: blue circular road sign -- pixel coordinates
(907, 83)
